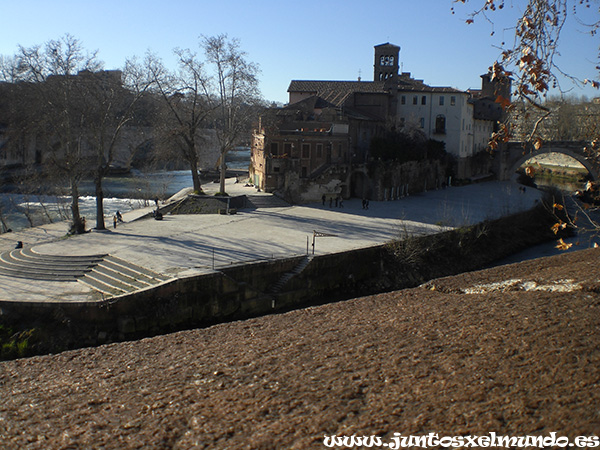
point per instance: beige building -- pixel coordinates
(328, 126)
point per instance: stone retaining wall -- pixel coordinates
(243, 291)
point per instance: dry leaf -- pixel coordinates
(562, 245)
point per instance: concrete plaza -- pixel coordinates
(186, 245)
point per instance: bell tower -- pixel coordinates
(386, 62)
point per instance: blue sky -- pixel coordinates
(309, 40)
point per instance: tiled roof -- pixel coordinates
(406, 83)
(425, 88)
(336, 92)
(316, 102)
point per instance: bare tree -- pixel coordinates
(530, 64)
(185, 106)
(530, 61)
(55, 113)
(109, 99)
(236, 94)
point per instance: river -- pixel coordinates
(122, 193)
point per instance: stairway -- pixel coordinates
(279, 284)
(266, 201)
(106, 274)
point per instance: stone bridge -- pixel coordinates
(513, 155)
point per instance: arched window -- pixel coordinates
(440, 124)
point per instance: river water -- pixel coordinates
(122, 193)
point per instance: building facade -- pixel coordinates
(328, 126)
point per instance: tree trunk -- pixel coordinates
(78, 226)
(100, 225)
(195, 177)
(222, 174)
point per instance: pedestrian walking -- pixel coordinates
(323, 199)
(341, 202)
(330, 201)
(115, 221)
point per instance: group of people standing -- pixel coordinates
(339, 201)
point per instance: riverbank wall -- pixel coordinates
(259, 288)
(247, 290)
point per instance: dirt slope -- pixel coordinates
(514, 350)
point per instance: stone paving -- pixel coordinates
(186, 245)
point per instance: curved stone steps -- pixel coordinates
(30, 253)
(19, 257)
(105, 289)
(138, 271)
(12, 264)
(113, 280)
(122, 277)
(104, 273)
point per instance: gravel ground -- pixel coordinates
(512, 350)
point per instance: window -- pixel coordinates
(306, 150)
(319, 150)
(386, 60)
(452, 101)
(287, 149)
(441, 100)
(274, 148)
(422, 122)
(403, 100)
(424, 100)
(440, 124)
(415, 100)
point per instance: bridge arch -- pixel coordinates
(578, 155)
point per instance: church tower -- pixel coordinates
(386, 62)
